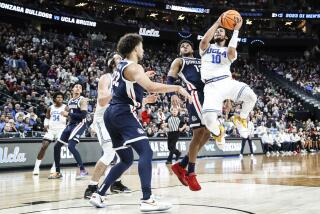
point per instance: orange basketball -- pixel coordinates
(229, 19)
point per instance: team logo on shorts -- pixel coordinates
(194, 118)
(140, 131)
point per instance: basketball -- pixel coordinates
(229, 19)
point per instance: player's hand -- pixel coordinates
(151, 98)
(46, 128)
(151, 74)
(64, 113)
(239, 23)
(175, 101)
(184, 93)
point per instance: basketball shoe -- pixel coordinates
(180, 173)
(192, 182)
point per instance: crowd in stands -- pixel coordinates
(34, 65)
(304, 73)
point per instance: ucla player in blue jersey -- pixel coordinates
(76, 111)
(187, 67)
(130, 82)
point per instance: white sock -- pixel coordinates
(37, 165)
(93, 183)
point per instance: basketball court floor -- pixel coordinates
(288, 184)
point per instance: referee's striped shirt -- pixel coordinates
(174, 123)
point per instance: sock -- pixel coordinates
(37, 165)
(72, 148)
(93, 183)
(126, 160)
(191, 167)
(184, 162)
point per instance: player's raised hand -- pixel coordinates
(184, 93)
(239, 22)
(175, 101)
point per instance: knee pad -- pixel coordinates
(108, 153)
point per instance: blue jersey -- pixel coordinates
(124, 91)
(190, 73)
(74, 107)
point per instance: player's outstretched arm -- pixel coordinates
(135, 72)
(232, 47)
(172, 76)
(104, 96)
(205, 41)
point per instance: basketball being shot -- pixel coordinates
(159, 106)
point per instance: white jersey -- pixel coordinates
(57, 121)
(98, 114)
(215, 62)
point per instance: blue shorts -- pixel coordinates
(73, 131)
(194, 109)
(123, 126)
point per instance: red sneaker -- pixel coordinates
(180, 172)
(192, 182)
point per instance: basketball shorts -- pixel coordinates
(123, 126)
(73, 131)
(216, 92)
(194, 109)
(53, 134)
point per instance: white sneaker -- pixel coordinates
(97, 200)
(241, 156)
(153, 205)
(36, 171)
(252, 156)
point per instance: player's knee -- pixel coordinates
(108, 154)
(250, 96)
(210, 118)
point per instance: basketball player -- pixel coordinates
(122, 123)
(76, 111)
(54, 124)
(187, 67)
(219, 85)
(104, 96)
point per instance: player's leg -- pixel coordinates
(201, 137)
(48, 137)
(126, 160)
(73, 140)
(243, 144)
(241, 92)
(57, 151)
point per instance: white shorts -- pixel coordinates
(53, 134)
(102, 133)
(216, 92)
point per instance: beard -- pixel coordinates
(218, 40)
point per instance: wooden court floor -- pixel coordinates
(275, 184)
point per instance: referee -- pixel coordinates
(175, 125)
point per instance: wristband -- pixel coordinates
(234, 39)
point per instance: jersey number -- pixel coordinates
(56, 117)
(116, 78)
(216, 56)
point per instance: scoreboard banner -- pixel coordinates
(16, 153)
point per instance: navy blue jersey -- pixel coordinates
(124, 91)
(74, 107)
(190, 73)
